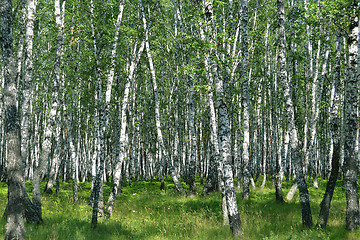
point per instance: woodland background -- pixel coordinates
(113, 91)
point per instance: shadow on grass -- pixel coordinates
(59, 227)
(144, 212)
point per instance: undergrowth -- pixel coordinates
(142, 211)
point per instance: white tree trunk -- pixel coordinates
(290, 117)
(317, 88)
(164, 152)
(39, 171)
(15, 228)
(245, 102)
(123, 135)
(351, 96)
(208, 62)
(334, 134)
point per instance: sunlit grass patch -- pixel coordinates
(142, 211)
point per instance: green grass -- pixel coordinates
(144, 212)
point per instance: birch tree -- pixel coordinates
(290, 118)
(245, 101)
(15, 228)
(123, 144)
(351, 96)
(163, 150)
(39, 171)
(28, 79)
(228, 188)
(334, 131)
(104, 114)
(209, 65)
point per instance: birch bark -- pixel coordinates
(26, 105)
(225, 153)
(98, 112)
(15, 228)
(177, 22)
(350, 122)
(334, 133)
(225, 142)
(73, 154)
(275, 156)
(245, 102)
(39, 171)
(209, 65)
(104, 112)
(28, 77)
(317, 88)
(290, 118)
(100, 133)
(192, 161)
(164, 152)
(55, 161)
(123, 142)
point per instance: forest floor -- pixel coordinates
(144, 212)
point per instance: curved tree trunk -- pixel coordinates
(39, 171)
(123, 142)
(334, 131)
(224, 138)
(164, 152)
(104, 125)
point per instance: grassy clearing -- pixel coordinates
(144, 212)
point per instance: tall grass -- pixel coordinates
(144, 212)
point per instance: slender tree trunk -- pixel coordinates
(20, 56)
(164, 152)
(192, 163)
(275, 156)
(290, 117)
(224, 138)
(55, 161)
(15, 228)
(211, 183)
(292, 191)
(98, 130)
(309, 74)
(31, 214)
(54, 167)
(225, 153)
(209, 64)
(123, 142)
(334, 133)
(350, 123)
(264, 157)
(28, 79)
(245, 102)
(316, 100)
(47, 143)
(104, 121)
(279, 172)
(73, 154)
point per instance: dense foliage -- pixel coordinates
(121, 91)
